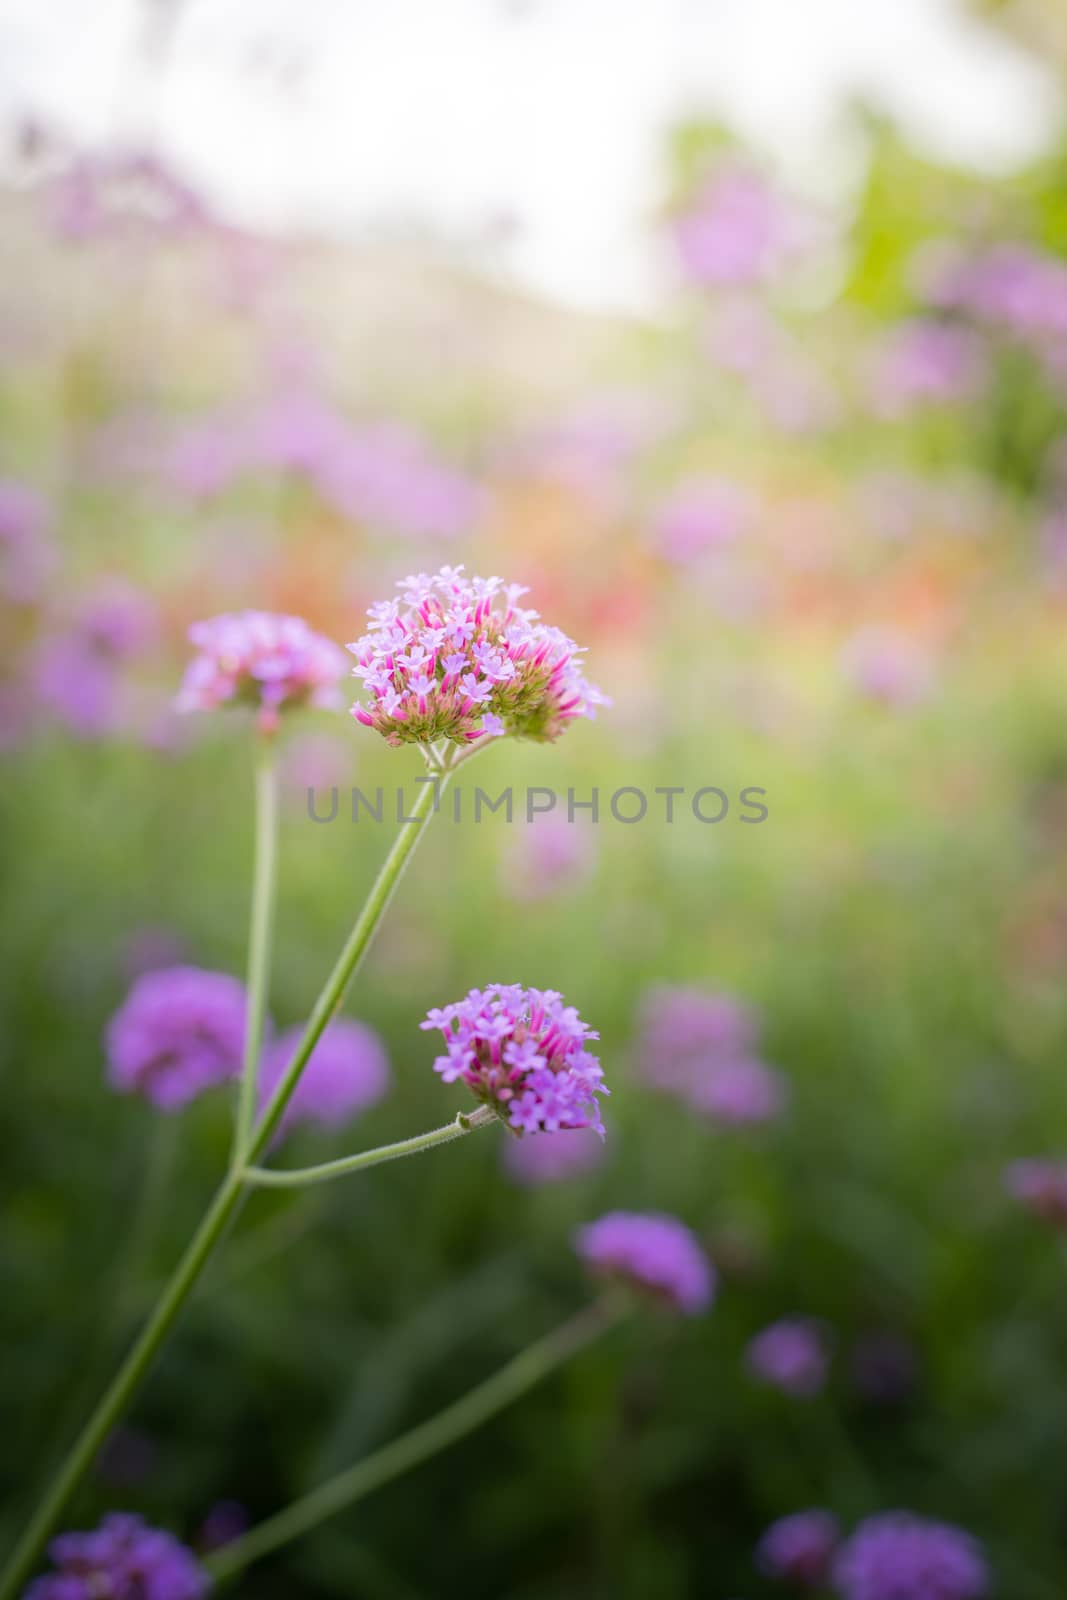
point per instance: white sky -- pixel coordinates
(347, 114)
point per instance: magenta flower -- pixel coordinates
(738, 1093)
(926, 363)
(263, 660)
(553, 1156)
(179, 1031)
(348, 1073)
(123, 1559)
(740, 230)
(791, 1355)
(1041, 1186)
(652, 1252)
(27, 557)
(899, 1556)
(799, 1549)
(457, 658)
(546, 856)
(523, 1052)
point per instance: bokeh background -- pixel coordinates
(740, 335)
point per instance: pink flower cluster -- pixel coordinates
(702, 1047)
(523, 1052)
(800, 1548)
(652, 1252)
(260, 659)
(791, 1355)
(457, 658)
(740, 230)
(1040, 1186)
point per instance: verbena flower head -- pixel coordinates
(179, 1031)
(523, 1052)
(898, 1556)
(260, 659)
(123, 1559)
(1041, 1186)
(456, 658)
(348, 1072)
(800, 1548)
(652, 1252)
(553, 1157)
(792, 1355)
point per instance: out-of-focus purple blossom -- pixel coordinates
(457, 658)
(552, 1157)
(740, 230)
(792, 1355)
(592, 447)
(348, 1073)
(27, 556)
(226, 1521)
(547, 855)
(738, 1092)
(800, 1548)
(899, 1556)
(257, 658)
(702, 1047)
(702, 515)
(1014, 286)
(387, 476)
(888, 666)
(179, 1031)
(522, 1052)
(1040, 1186)
(653, 1252)
(79, 674)
(925, 362)
(884, 1368)
(123, 1559)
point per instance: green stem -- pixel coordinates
(300, 1177)
(259, 938)
(416, 1446)
(125, 1383)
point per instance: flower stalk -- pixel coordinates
(302, 1177)
(259, 937)
(411, 1449)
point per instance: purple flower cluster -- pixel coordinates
(263, 660)
(1015, 287)
(791, 1355)
(123, 1559)
(740, 230)
(553, 1156)
(898, 1556)
(1041, 1186)
(925, 362)
(179, 1031)
(348, 1073)
(702, 1047)
(799, 1549)
(888, 666)
(652, 1252)
(457, 658)
(523, 1052)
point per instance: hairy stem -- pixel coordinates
(300, 1177)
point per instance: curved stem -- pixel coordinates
(126, 1381)
(418, 1445)
(259, 938)
(300, 1177)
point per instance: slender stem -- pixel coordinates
(125, 1383)
(418, 1445)
(348, 961)
(300, 1177)
(259, 938)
